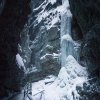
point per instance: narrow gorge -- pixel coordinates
(50, 50)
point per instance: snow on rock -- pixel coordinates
(31, 70)
(41, 6)
(49, 16)
(19, 61)
(49, 46)
(47, 55)
(62, 87)
(55, 55)
(72, 64)
(66, 37)
(53, 22)
(52, 1)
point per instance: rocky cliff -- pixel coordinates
(40, 39)
(30, 45)
(29, 39)
(13, 16)
(87, 15)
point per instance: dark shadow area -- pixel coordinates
(12, 21)
(76, 30)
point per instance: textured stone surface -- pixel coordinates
(40, 39)
(12, 20)
(91, 48)
(87, 14)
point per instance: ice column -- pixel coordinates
(66, 40)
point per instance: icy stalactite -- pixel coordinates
(66, 40)
(68, 45)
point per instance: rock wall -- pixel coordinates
(87, 14)
(13, 16)
(40, 40)
(35, 42)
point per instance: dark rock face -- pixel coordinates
(12, 19)
(2, 3)
(91, 48)
(90, 90)
(87, 14)
(76, 31)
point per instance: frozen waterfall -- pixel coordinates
(66, 40)
(70, 57)
(67, 43)
(71, 74)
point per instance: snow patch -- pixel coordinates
(52, 1)
(66, 37)
(45, 15)
(52, 16)
(47, 55)
(44, 57)
(68, 78)
(20, 62)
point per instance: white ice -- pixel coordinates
(52, 1)
(66, 37)
(20, 62)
